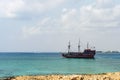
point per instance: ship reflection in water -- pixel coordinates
(87, 53)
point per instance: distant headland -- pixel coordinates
(108, 51)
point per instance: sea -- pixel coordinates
(43, 63)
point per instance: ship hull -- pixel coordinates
(78, 55)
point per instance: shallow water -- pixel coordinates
(14, 64)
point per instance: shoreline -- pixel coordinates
(102, 76)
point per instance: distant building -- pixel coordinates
(115, 51)
(99, 51)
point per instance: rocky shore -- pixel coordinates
(104, 76)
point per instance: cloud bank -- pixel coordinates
(53, 20)
(99, 15)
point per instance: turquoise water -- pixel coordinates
(15, 64)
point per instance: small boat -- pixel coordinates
(87, 53)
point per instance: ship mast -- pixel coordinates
(87, 45)
(79, 46)
(69, 47)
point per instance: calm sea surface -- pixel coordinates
(14, 64)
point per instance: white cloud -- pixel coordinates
(100, 17)
(75, 21)
(109, 2)
(8, 8)
(44, 26)
(30, 31)
(104, 3)
(38, 6)
(86, 18)
(95, 16)
(68, 18)
(44, 21)
(116, 12)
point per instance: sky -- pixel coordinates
(48, 25)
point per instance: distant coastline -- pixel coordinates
(60, 52)
(108, 51)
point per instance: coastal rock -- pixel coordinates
(105, 76)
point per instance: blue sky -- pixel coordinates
(48, 25)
